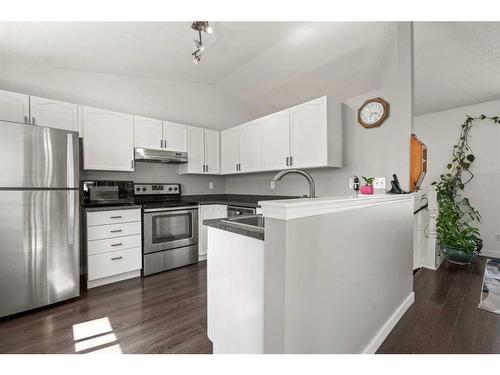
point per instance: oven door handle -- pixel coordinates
(191, 208)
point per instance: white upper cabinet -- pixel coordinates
(53, 113)
(308, 135)
(174, 136)
(108, 142)
(148, 133)
(14, 107)
(203, 151)
(316, 134)
(212, 151)
(160, 135)
(276, 140)
(196, 151)
(230, 150)
(251, 146)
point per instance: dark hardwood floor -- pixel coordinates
(166, 313)
(163, 313)
(445, 317)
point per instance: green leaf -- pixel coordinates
(448, 166)
(470, 158)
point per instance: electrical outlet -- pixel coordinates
(379, 183)
(497, 238)
(211, 185)
(351, 183)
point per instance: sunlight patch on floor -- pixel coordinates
(95, 334)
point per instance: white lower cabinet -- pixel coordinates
(209, 211)
(114, 246)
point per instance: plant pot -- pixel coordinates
(366, 189)
(458, 256)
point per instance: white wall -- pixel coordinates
(440, 131)
(378, 152)
(187, 103)
(162, 173)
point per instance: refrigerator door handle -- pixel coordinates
(70, 164)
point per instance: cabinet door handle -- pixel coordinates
(132, 164)
(116, 258)
(287, 161)
(116, 244)
(291, 161)
(33, 121)
(161, 143)
(116, 231)
(207, 168)
(26, 120)
(116, 217)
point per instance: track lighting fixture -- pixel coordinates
(200, 47)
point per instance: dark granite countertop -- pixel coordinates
(110, 208)
(257, 233)
(243, 200)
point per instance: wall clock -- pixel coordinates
(373, 113)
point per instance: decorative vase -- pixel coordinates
(458, 256)
(366, 189)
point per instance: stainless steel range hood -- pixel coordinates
(160, 156)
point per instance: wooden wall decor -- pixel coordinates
(418, 162)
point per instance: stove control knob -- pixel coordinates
(175, 189)
(170, 188)
(143, 189)
(138, 189)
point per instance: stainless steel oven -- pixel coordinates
(170, 238)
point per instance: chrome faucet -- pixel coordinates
(308, 177)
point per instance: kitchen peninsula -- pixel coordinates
(329, 275)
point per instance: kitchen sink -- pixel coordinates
(253, 221)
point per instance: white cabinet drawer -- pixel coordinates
(113, 217)
(113, 244)
(100, 232)
(114, 263)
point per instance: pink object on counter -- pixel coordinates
(366, 189)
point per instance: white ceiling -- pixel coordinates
(456, 64)
(267, 65)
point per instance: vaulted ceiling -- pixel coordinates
(266, 65)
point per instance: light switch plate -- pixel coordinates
(351, 183)
(211, 185)
(379, 183)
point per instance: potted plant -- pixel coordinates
(367, 188)
(458, 237)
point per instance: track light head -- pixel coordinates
(196, 57)
(199, 45)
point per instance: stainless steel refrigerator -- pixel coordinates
(39, 217)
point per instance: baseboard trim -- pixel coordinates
(389, 325)
(113, 279)
(490, 253)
